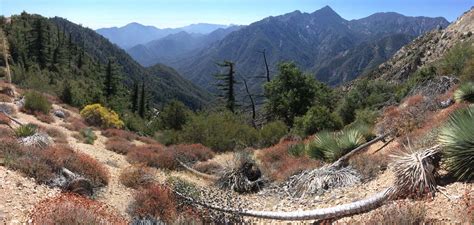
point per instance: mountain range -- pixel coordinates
(134, 33)
(176, 45)
(322, 43)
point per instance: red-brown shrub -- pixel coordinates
(6, 132)
(89, 168)
(145, 154)
(74, 124)
(369, 166)
(148, 140)
(137, 176)
(409, 116)
(118, 145)
(4, 120)
(112, 132)
(192, 152)
(45, 118)
(278, 164)
(156, 201)
(74, 209)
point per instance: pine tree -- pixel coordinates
(135, 97)
(142, 108)
(110, 83)
(66, 95)
(226, 84)
(39, 44)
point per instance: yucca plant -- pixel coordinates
(323, 142)
(331, 146)
(465, 93)
(415, 172)
(25, 130)
(457, 139)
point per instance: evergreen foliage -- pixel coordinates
(226, 84)
(174, 115)
(291, 93)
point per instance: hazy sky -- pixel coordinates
(175, 13)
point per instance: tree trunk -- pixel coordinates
(316, 214)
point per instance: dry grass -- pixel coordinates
(137, 176)
(369, 166)
(74, 209)
(277, 164)
(401, 212)
(118, 145)
(5, 98)
(208, 167)
(57, 135)
(6, 132)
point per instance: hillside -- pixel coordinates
(71, 39)
(320, 42)
(134, 34)
(393, 146)
(174, 46)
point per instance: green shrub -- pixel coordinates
(174, 115)
(456, 137)
(221, 131)
(168, 137)
(272, 132)
(296, 150)
(331, 146)
(465, 93)
(454, 61)
(97, 115)
(26, 130)
(365, 94)
(89, 135)
(36, 102)
(317, 118)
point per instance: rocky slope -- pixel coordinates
(426, 49)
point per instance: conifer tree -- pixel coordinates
(142, 108)
(226, 84)
(135, 97)
(110, 83)
(39, 43)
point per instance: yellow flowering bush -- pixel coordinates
(97, 115)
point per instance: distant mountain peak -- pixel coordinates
(326, 13)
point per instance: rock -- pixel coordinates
(59, 113)
(39, 140)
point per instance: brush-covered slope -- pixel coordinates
(55, 51)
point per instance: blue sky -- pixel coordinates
(176, 13)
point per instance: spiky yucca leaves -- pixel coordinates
(415, 172)
(457, 139)
(346, 140)
(243, 177)
(331, 146)
(465, 93)
(322, 143)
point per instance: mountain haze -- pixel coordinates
(134, 33)
(176, 45)
(335, 50)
